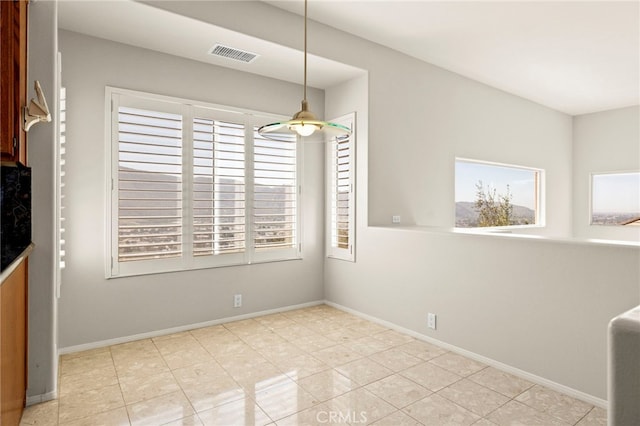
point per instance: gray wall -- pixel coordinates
(42, 365)
(93, 309)
(537, 305)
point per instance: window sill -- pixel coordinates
(503, 233)
(198, 268)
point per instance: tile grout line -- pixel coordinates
(113, 361)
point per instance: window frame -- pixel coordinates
(540, 216)
(189, 110)
(333, 251)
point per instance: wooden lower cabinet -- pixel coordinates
(13, 345)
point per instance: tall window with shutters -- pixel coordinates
(194, 186)
(218, 187)
(341, 193)
(149, 184)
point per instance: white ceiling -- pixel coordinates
(141, 25)
(573, 56)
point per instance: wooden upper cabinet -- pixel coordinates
(13, 80)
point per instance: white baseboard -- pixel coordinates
(602, 403)
(156, 333)
(37, 399)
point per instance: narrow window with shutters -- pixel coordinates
(340, 194)
(149, 185)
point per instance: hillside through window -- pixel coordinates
(496, 195)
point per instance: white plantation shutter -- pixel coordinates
(218, 187)
(274, 193)
(149, 184)
(341, 193)
(194, 186)
(62, 155)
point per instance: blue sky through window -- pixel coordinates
(521, 182)
(616, 193)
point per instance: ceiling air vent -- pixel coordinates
(232, 53)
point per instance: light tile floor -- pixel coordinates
(313, 366)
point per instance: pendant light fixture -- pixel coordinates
(303, 123)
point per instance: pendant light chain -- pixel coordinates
(305, 50)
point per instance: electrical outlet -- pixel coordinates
(431, 320)
(395, 219)
(237, 300)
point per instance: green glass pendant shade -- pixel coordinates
(303, 123)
